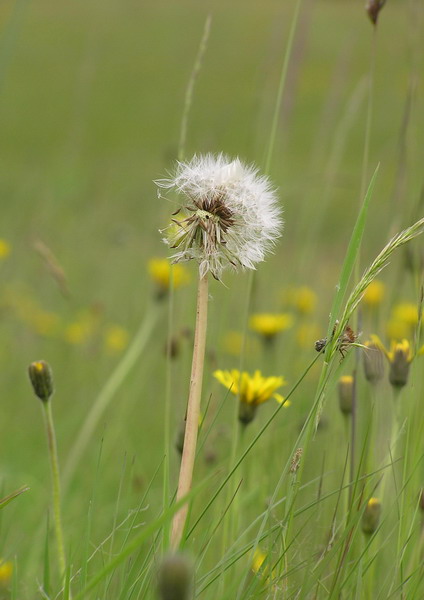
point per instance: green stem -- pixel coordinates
(54, 464)
(108, 392)
(193, 411)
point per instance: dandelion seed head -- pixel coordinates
(230, 216)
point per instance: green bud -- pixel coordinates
(345, 388)
(399, 369)
(247, 412)
(41, 378)
(373, 361)
(175, 578)
(371, 516)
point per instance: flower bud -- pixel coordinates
(41, 378)
(373, 8)
(373, 362)
(247, 412)
(175, 578)
(346, 387)
(399, 367)
(371, 516)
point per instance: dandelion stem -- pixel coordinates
(54, 464)
(193, 410)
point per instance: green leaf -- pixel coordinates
(13, 495)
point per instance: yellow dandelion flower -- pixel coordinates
(307, 333)
(45, 323)
(268, 325)
(77, 333)
(160, 272)
(252, 390)
(5, 249)
(116, 339)
(374, 294)
(303, 299)
(6, 569)
(397, 330)
(233, 343)
(406, 312)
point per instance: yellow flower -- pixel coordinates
(268, 325)
(397, 330)
(406, 312)
(371, 516)
(302, 298)
(374, 294)
(400, 357)
(4, 249)
(233, 343)
(6, 568)
(307, 333)
(252, 390)
(160, 272)
(259, 558)
(116, 339)
(45, 323)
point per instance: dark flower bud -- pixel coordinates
(41, 378)
(345, 388)
(373, 361)
(175, 578)
(371, 516)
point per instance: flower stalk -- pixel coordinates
(193, 410)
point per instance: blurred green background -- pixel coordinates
(91, 102)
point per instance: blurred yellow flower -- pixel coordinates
(252, 390)
(233, 342)
(116, 339)
(302, 298)
(259, 558)
(397, 330)
(160, 272)
(77, 332)
(395, 347)
(45, 323)
(406, 312)
(268, 325)
(6, 569)
(307, 333)
(4, 249)
(374, 294)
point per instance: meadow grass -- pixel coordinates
(98, 99)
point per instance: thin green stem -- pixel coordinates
(108, 392)
(283, 77)
(54, 464)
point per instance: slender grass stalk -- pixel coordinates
(193, 410)
(54, 464)
(168, 404)
(108, 392)
(281, 85)
(188, 100)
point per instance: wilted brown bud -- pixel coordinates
(345, 387)
(373, 8)
(371, 516)
(41, 378)
(373, 361)
(175, 578)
